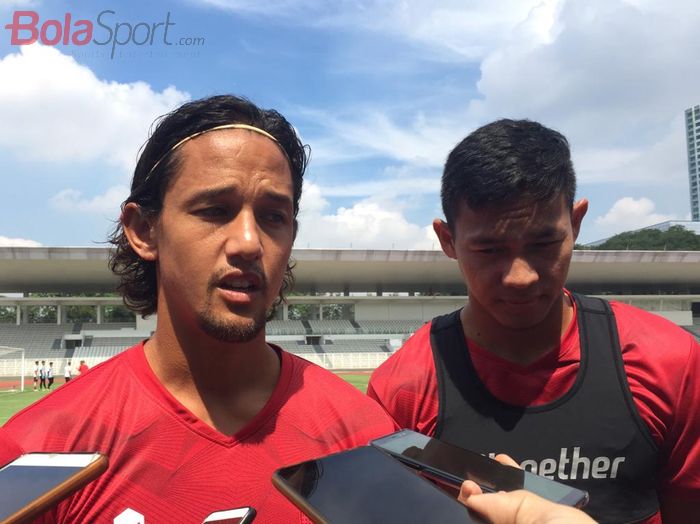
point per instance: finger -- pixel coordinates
(468, 489)
(506, 460)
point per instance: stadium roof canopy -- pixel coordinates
(84, 269)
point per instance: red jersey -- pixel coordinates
(9, 449)
(662, 363)
(166, 465)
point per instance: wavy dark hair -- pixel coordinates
(504, 161)
(138, 283)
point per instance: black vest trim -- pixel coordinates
(602, 307)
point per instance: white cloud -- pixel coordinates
(18, 242)
(613, 75)
(73, 201)
(451, 29)
(57, 110)
(368, 224)
(421, 142)
(630, 213)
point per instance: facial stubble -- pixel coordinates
(234, 330)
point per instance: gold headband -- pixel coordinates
(216, 128)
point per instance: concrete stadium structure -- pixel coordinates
(382, 296)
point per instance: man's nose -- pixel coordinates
(243, 236)
(520, 273)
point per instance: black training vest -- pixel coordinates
(584, 438)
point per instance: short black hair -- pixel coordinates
(505, 161)
(138, 283)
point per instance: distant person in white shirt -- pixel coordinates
(36, 374)
(49, 375)
(42, 375)
(68, 372)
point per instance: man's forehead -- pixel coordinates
(229, 145)
(528, 215)
(234, 151)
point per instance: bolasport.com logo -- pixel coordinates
(107, 29)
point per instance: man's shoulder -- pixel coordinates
(335, 402)
(415, 350)
(315, 378)
(628, 315)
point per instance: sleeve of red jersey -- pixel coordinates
(406, 385)
(680, 475)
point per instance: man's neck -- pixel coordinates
(224, 384)
(520, 346)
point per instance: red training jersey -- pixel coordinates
(166, 465)
(662, 362)
(9, 449)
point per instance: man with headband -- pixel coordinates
(196, 418)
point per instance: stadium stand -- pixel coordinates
(39, 340)
(124, 341)
(332, 327)
(285, 327)
(373, 327)
(355, 346)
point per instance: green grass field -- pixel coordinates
(11, 403)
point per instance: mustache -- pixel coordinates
(253, 268)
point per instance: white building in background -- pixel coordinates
(692, 133)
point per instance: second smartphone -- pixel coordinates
(452, 465)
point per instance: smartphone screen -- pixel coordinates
(453, 464)
(232, 516)
(366, 485)
(34, 482)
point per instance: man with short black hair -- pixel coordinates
(196, 418)
(598, 394)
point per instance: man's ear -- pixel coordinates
(140, 231)
(577, 213)
(444, 234)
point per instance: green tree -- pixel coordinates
(41, 314)
(676, 238)
(8, 315)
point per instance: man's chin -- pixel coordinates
(232, 331)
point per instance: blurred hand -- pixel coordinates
(518, 507)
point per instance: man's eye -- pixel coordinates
(211, 212)
(489, 250)
(546, 243)
(275, 217)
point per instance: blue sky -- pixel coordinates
(381, 90)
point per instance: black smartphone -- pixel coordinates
(35, 482)
(452, 465)
(243, 515)
(366, 485)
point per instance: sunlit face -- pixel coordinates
(225, 234)
(514, 258)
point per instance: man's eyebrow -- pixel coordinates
(207, 195)
(546, 232)
(281, 198)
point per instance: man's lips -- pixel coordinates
(520, 301)
(241, 281)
